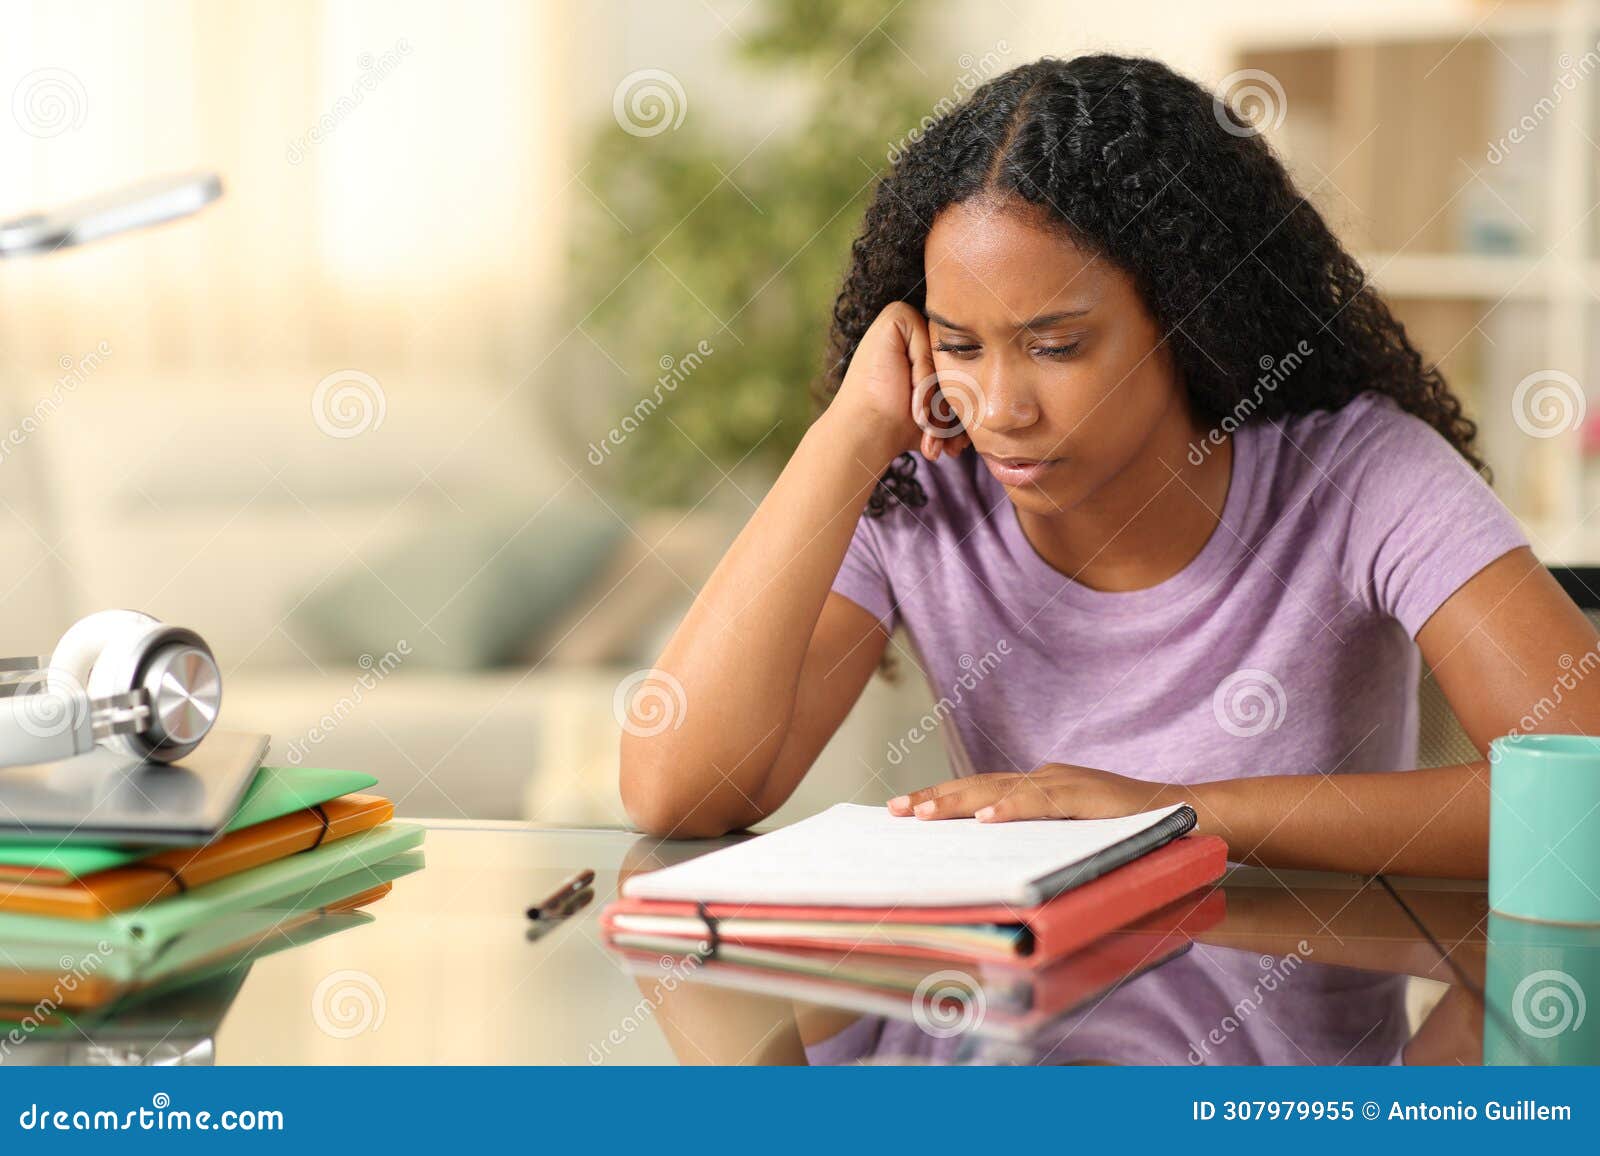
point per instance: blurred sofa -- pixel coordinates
(439, 598)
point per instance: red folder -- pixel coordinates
(1021, 1001)
(1056, 928)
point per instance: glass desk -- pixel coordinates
(436, 966)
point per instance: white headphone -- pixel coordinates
(117, 678)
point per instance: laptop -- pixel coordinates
(107, 797)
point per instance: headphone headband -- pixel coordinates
(118, 678)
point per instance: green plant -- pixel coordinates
(739, 241)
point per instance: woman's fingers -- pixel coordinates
(924, 378)
(919, 346)
(1026, 803)
(989, 798)
(906, 804)
(939, 420)
(937, 445)
(955, 799)
(1031, 800)
(961, 803)
(1051, 791)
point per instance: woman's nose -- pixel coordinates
(1008, 405)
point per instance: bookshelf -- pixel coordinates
(1458, 159)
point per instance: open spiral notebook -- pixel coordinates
(858, 878)
(857, 856)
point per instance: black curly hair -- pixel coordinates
(1148, 169)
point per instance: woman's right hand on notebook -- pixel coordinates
(893, 394)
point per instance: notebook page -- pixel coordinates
(857, 856)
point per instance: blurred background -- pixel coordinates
(434, 423)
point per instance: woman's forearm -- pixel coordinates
(738, 653)
(1422, 822)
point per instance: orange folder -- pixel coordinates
(172, 872)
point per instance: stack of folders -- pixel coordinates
(857, 896)
(1020, 1001)
(89, 930)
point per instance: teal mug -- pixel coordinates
(1544, 828)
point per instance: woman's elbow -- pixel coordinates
(658, 807)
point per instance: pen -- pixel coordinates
(559, 898)
(551, 920)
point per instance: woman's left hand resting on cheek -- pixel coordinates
(1054, 791)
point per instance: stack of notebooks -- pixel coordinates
(1020, 1002)
(88, 930)
(854, 907)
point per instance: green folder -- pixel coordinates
(174, 973)
(276, 791)
(207, 937)
(139, 936)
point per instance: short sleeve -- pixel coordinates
(864, 577)
(1422, 521)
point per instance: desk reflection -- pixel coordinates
(1311, 975)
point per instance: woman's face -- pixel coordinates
(1047, 353)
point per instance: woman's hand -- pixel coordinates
(892, 389)
(1054, 791)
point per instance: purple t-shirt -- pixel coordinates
(1284, 647)
(1211, 1005)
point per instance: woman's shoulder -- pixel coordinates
(1371, 434)
(1395, 507)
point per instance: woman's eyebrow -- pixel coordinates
(1043, 321)
(938, 320)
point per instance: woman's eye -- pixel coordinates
(947, 347)
(1061, 351)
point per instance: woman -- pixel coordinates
(1185, 485)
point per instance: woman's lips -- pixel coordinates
(1019, 471)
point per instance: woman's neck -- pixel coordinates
(1148, 522)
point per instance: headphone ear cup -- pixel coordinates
(115, 668)
(75, 655)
